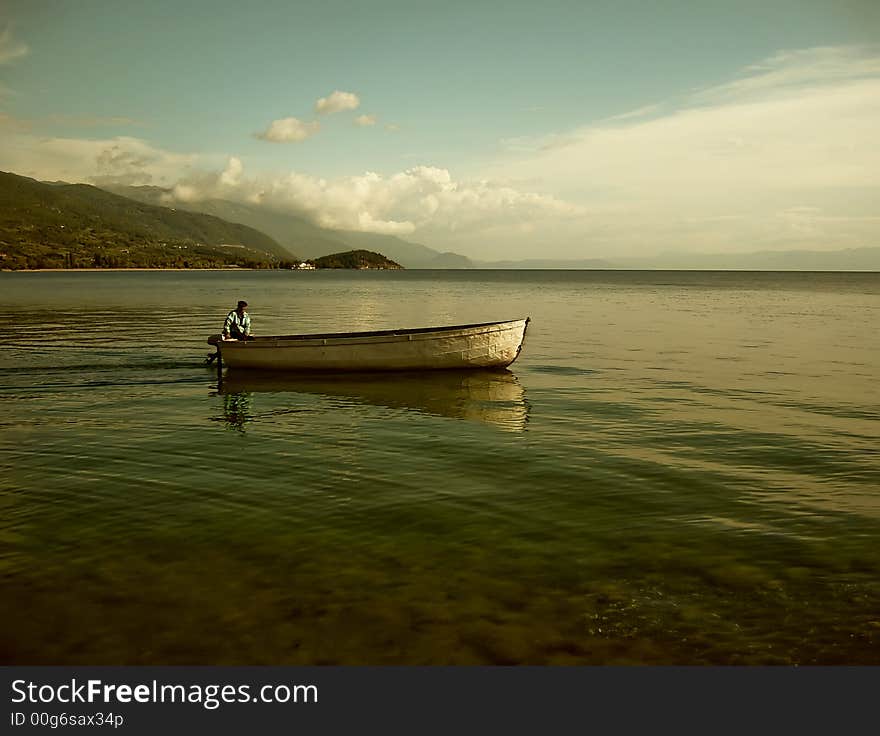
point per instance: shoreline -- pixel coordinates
(99, 270)
(514, 270)
(229, 269)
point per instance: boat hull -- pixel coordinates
(486, 345)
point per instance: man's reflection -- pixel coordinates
(237, 410)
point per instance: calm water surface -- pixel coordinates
(681, 467)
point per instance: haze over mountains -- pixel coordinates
(853, 259)
(310, 241)
(127, 223)
(298, 235)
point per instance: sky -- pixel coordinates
(498, 130)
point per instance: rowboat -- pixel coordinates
(483, 345)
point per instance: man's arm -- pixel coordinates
(227, 325)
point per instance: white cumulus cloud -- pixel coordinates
(231, 175)
(399, 204)
(365, 120)
(337, 102)
(289, 130)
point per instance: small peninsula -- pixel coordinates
(358, 259)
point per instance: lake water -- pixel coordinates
(681, 467)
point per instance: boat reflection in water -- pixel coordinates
(492, 396)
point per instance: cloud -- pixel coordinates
(417, 199)
(113, 161)
(231, 175)
(365, 120)
(289, 130)
(337, 102)
(798, 129)
(10, 48)
(531, 144)
(392, 128)
(794, 70)
(640, 112)
(399, 204)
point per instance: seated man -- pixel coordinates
(238, 324)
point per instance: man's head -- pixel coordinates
(241, 305)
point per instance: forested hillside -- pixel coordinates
(80, 226)
(360, 259)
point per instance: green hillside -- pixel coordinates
(361, 259)
(81, 226)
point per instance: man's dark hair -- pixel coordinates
(242, 303)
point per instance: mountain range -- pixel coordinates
(852, 259)
(307, 240)
(58, 225)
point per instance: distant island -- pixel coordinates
(359, 259)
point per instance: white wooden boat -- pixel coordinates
(485, 345)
